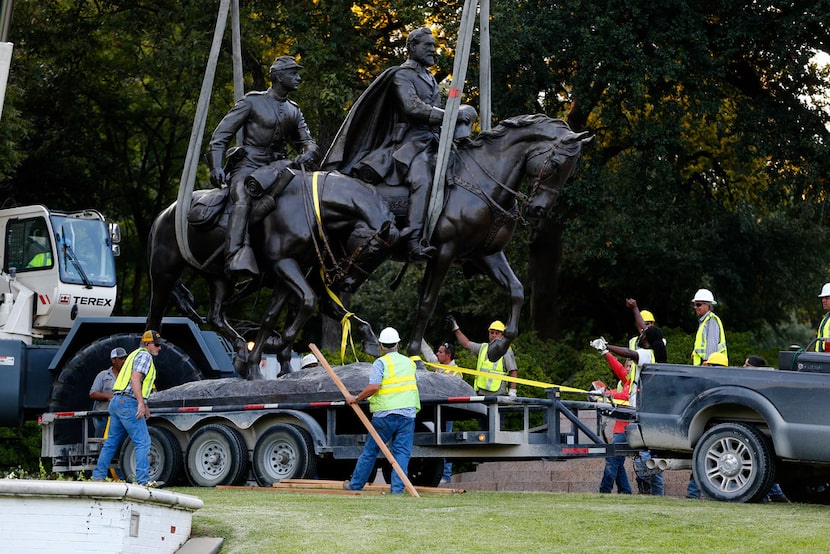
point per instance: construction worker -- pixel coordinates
(101, 390)
(129, 412)
(710, 335)
(309, 361)
(717, 359)
(393, 400)
(650, 348)
(823, 344)
(506, 365)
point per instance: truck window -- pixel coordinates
(84, 251)
(28, 247)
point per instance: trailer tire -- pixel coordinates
(422, 472)
(165, 457)
(70, 392)
(733, 462)
(284, 451)
(216, 455)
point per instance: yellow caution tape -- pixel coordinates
(517, 380)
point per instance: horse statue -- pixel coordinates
(481, 208)
(318, 220)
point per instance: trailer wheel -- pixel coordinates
(70, 392)
(165, 457)
(422, 472)
(216, 455)
(283, 452)
(733, 462)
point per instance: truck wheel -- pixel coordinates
(70, 392)
(283, 452)
(733, 462)
(216, 455)
(165, 457)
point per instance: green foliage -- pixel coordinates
(20, 448)
(707, 169)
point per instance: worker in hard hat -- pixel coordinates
(823, 335)
(710, 335)
(709, 339)
(649, 481)
(650, 348)
(486, 385)
(393, 400)
(717, 359)
(309, 361)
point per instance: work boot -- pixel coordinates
(239, 257)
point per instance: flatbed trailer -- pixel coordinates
(232, 445)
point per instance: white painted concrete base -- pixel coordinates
(92, 517)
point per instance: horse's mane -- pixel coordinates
(516, 122)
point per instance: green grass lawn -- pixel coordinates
(264, 521)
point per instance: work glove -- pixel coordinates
(452, 323)
(511, 393)
(599, 387)
(600, 344)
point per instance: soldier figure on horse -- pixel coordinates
(270, 121)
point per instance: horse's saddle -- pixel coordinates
(206, 209)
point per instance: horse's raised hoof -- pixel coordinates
(372, 348)
(497, 349)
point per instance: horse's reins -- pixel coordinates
(338, 269)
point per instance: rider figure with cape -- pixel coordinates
(391, 135)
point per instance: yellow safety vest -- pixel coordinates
(699, 353)
(483, 364)
(127, 370)
(823, 332)
(44, 259)
(398, 389)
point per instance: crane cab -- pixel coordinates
(56, 266)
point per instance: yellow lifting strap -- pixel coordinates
(345, 323)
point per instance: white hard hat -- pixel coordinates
(389, 336)
(308, 360)
(825, 290)
(704, 295)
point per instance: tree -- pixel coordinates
(704, 151)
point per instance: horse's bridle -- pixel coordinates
(545, 174)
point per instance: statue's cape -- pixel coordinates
(368, 127)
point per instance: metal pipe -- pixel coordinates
(668, 463)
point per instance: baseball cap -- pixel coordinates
(308, 360)
(152, 336)
(118, 353)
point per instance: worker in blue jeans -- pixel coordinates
(393, 400)
(129, 412)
